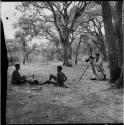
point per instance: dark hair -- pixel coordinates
(17, 65)
(97, 54)
(59, 68)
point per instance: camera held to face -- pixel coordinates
(91, 57)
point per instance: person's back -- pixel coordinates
(61, 78)
(99, 66)
(15, 76)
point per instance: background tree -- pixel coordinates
(64, 15)
(26, 30)
(112, 38)
(12, 46)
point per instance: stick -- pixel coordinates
(83, 73)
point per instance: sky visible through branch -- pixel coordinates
(8, 10)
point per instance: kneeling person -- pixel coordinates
(100, 72)
(59, 79)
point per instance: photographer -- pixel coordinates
(97, 62)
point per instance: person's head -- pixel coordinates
(97, 55)
(17, 66)
(59, 68)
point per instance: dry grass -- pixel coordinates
(83, 102)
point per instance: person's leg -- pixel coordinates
(52, 77)
(93, 77)
(46, 82)
(63, 85)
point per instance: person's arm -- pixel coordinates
(65, 77)
(98, 63)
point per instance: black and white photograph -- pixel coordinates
(62, 62)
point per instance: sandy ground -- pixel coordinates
(83, 102)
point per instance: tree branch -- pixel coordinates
(55, 19)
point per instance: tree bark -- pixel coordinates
(92, 66)
(103, 51)
(111, 39)
(11, 60)
(70, 51)
(65, 55)
(76, 57)
(24, 58)
(119, 32)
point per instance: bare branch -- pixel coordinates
(78, 13)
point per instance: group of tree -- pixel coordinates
(67, 18)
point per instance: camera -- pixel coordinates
(91, 57)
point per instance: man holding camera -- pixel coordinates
(99, 73)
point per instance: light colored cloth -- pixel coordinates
(99, 66)
(99, 70)
(98, 76)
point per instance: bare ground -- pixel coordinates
(83, 102)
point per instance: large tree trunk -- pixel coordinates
(119, 32)
(65, 43)
(111, 39)
(65, 55)
(119, 26)
(119, 82)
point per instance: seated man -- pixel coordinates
(98, 63)
(59, 79)
(16, 78)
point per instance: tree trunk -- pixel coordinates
(119, 32)
(11, 60)
(92, 66)
(24, 58)
(70, 51)
(76, 57)
(65, 55)
(111, 39)
(77, 51)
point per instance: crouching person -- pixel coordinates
(100, 72)
(17, 79)
(59, 79)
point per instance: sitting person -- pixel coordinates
(98, 63)
(16, 78)
(59, 79)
